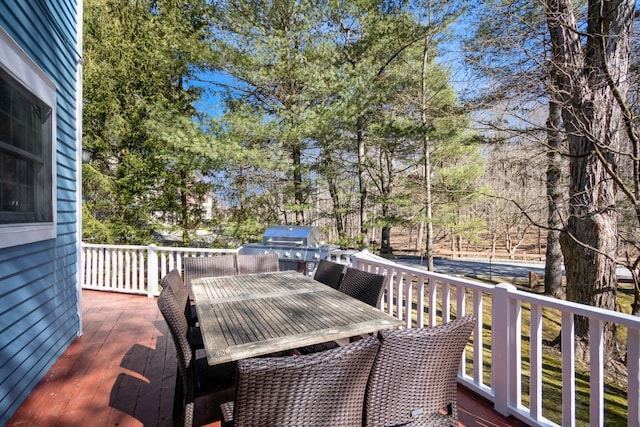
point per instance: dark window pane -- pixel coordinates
(5, 124)
(5, 90)
(25, 155)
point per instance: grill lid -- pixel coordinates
(291, 235)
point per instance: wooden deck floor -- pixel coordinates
(121, 372)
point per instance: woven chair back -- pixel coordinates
(195, 377)
(325, 388)
(173, 281)
(329, 273)
(415, 375)
(199, 267)
(173, 312)
(365, 286)
(258, 263)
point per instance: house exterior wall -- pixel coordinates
(39, 296)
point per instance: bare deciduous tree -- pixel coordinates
(591, 69)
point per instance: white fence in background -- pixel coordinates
(134, 269)
(513, 379)
(138, 269)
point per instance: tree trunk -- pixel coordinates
(298, 191)
(553, 258)
(420, 238)
(385, 244)
(184, 209)
(428, 204)
(635, 306)
(336, 212)
(362, 180)
(592, 120)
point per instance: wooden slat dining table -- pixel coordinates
(256, 314)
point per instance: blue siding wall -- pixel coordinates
(38, 296)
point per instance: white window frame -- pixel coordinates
(20, 67)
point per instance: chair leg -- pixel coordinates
(189, 402)
(188, 413)
(178, 400)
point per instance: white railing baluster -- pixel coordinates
(106, 275)
(461, 300)
(446, 302)
(399, 293)
(390, 296)
(113, 263)
(88, 270)
(478, 340)
(596, 381)
(121, 269)
(633, 381)
(568, 370)
(142, 272)
(95, 271)
(153, 277)
(420, 302)
(433, 307)
(91, 277)
(135, 260)
(535, 365)
(127, 270)
(408, 299)
(179, 260)
(170, 262)
(500, 337)
(139, 271)
(133, 276)
(92, 273)
(163, 264)
(461, 311)
(515, 352)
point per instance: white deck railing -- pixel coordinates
(495, 364)
(134, 269)
(421, 297)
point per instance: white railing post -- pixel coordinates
(501, 343)
(152, 271)
(633, 367)
(355, 261)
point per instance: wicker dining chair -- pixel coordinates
(415, 375)
(173, 281)
(257, 263)
(365, 286)
(324, 388)
(195, 378)
(197, 267)
(329, 273)
(174, 291)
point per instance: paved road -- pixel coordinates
(475, 268)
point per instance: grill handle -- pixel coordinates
(286, 242)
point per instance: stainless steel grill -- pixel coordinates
(298, 247)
